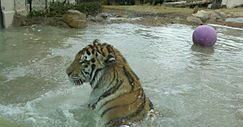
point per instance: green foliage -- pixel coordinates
(90, 8)
(35, 13)
(57, 9)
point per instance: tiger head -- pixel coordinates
(91, 60)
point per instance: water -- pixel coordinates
(189, 85)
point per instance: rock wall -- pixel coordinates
(232, 3)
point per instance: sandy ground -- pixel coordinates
(158, 15)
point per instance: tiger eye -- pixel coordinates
(88, 52)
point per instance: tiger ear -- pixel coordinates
(96, 42)
(110, 60)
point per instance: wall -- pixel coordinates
(8, 12)
(232, 3)
(1, 16)
(9, 7)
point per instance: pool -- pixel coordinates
(189, 85)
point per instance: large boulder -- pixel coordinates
(194, 20)
(216, 16)
(203, 15)
(232, 3)
(75, 19)
(101, 17)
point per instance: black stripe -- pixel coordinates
(129, 77)
(92, 71)
(135, 75)
(88, 52)
(108, 92)
(103, 113)
(109, 48)
(110, 82)
(93, 51)
(96, 72)
(151, 105)
(96, 41)
(90, 46)
(113, 99)
(125, 118)
(97, 48)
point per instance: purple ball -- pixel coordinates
(204, 35)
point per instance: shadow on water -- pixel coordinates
(204, 50)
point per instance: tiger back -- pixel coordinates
(117, 95)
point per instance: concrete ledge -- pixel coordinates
(8, 18)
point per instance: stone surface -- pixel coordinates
(232, 3)
(235, 22)
(203, 15)
(101, 17)
(194, 20)
(215, 16)
(56, 21)
(75, 19)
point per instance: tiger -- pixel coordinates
(117, 95)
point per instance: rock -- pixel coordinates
(203, 15)
(56, 21)
(229, 15)
(75, 19)
(101, 17)
(236, 14)
(212, 19)
(216, 4)
(238, 20)
(235, 22)
(194, 20)
(104, 15)
(232, 3)
(209, 6)
(215, 16)
(222, 14)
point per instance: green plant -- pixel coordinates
(89, 8)
(37, 13)
(57, 9)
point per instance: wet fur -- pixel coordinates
(117, 94)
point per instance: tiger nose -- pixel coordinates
(69, 71)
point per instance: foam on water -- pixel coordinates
(55, 108)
